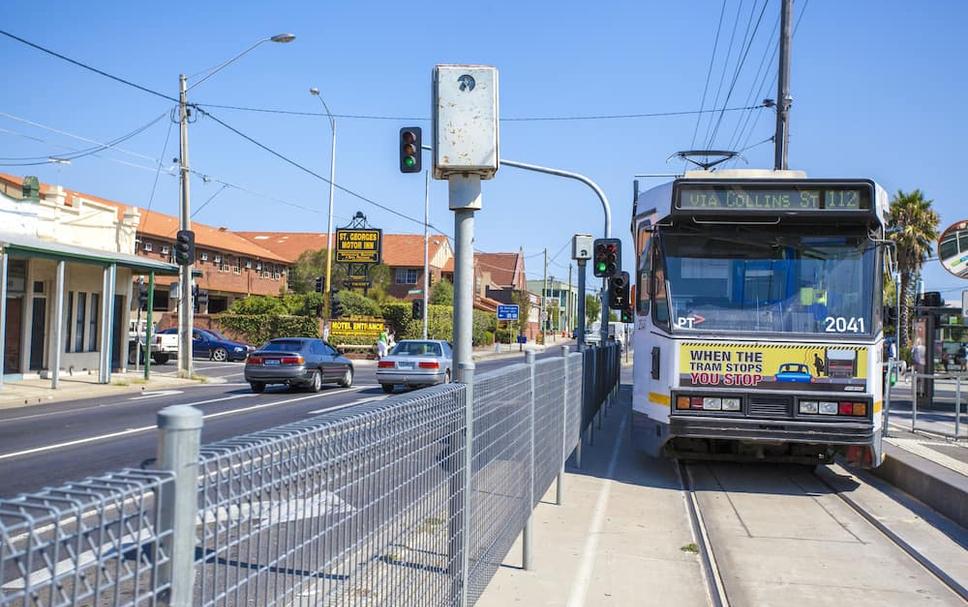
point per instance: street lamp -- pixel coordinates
(332, 186)
(186, 312)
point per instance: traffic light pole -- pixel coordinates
(186, 317)
(581, 304)
(426, 269)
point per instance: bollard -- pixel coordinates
(526, 532)
(887, 398)
(466, 376)
(179, 439)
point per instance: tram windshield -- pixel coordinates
(745, 281)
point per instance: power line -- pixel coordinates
(164, 149)
(709, 72)
(88, 67)
(739, 65)
(722, 75)
(772, 42)
(309, 171)
(510, 119)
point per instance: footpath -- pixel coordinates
(82, 386)
(620, 537)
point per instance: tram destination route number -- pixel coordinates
(734, 198)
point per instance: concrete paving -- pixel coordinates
(620, 538)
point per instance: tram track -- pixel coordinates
(716, 587)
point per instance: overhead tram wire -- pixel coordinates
(739, 67)
(709, 72)
(164, 150)
(55, 158)
(722, 76)
(771, 43)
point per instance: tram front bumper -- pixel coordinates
(771, 430)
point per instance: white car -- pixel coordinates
(415, 362)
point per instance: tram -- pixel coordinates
(758, 330)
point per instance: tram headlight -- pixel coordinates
(808, 406)
(731, 404)
(828, 407)
(710, 403)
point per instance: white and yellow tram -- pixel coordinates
(758, 317)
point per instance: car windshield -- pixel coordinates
(780, 282)
(285, 345)
(416, 348)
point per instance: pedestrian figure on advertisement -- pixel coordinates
(819, 365)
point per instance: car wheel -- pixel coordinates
(388, 388)
(347, 380)
(220, 355)
(316, 383)
(161, 359)
(257, 387)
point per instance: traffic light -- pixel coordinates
(410, 140)
(618, 291)
(418, 309)
(336, 308)
(607, 257)
(185, 247)
(627, 316)
(142, 295)
(319, 284)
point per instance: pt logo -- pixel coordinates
(466, 83)
(689, 322)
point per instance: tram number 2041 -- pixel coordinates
(841, 324)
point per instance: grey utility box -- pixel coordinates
(465, 120)
(581, 246)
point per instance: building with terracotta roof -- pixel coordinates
(402, 253)
(228, 266)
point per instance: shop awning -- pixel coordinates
(28, 246)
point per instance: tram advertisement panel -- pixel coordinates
(798, 368)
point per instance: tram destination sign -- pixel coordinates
(358, 245)
(732, 197)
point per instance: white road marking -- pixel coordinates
(579, 587)
(345, 405)
(156, 394)
(129, 431)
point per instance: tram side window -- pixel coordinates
(644, 252)
(660, 296)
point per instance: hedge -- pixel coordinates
(257, 329)
(355, 304)
(399, 316)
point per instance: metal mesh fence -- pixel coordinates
(363, 506)
(94, 542)
(500, 481)
(352, 508)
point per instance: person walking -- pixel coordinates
(382, 345)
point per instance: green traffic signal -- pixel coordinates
(409, 161)
(600, 266)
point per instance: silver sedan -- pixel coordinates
(415, 362)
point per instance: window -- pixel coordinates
(148, 246)
(165, 249)
(660, 296)
(237, 268)
(644, 270)
(785, 281)
(92, 328)
(81, 317)
(248, 264)
(406, 276)
(218, 259)
(70, 319)
(204, 257)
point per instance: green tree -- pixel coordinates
(913, 226)
(593, 308)
(442, 293)
(523, 299)
(312, 265)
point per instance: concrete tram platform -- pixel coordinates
(935, 471)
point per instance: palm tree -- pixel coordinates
(913, 227)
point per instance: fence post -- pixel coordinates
(179, 439)
(581, 407)
(887, 398)
(466, 376)
(957, 407)
(564, 425)
(526, 532)
(914, 400)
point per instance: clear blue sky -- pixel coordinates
(878, 88)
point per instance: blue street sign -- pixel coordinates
(507, 312)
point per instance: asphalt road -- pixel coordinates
(45, 445)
